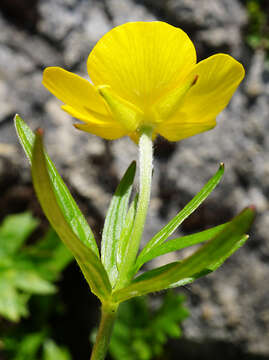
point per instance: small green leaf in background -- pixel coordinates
(173, 224)
(34, 346)
(114, 222)
(27, 348)
(27, 269)
(141, 331)
(14, 231)
(54, 352)
(257, 31)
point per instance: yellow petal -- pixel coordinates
(98, 124)
(218, 78)
(107, 131)
(73, 90)
(141, 60)
(86, 117)
(181, 127)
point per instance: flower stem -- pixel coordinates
(108, 317)
(145, 160)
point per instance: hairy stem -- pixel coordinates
(145, 161)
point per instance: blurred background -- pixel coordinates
(229, 310)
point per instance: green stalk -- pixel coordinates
(145, 161)
(109, 312)
(108, 317)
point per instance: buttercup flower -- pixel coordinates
(144, 74)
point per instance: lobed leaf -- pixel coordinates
(173, 224)
(88, 261)
(114, 223)
(14, 231)
(30, 281)
(68, 206)
(207, 259)
(12, 304)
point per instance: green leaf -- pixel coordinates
(67, 204)
(30, 281)
(14, 231)
(27, 348)
(126, 232)
(55, 352)
(114, 222)
(182, 242)
(88, 261)
(12, 304)
(141, 330)
(168, 229)
(207, 259)
(49, 255)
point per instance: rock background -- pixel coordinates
(230, 308)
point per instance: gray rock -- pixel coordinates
(209, 14)
(216, 24)
(129, 11)
(57, 19)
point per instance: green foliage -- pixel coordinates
(88, 261)
(56, 202)
(67, 204)
(35, 346)
(258, 31)
(168, 230)
(27, 269)
(141, 333)
(182, 242)
(115, 222)
(205, 260)
(52, 351)
(220, 242)
(113, 277)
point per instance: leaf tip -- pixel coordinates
(16, 119)
(221, 165)
(252, 207)
(39, 132)
(133, 164)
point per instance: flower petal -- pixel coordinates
(73, 90)
(107, 131)
(141, 60)
(86, 117)
(218, 78)
(100, 125)
(181, 126)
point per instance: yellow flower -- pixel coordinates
(144, 74)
